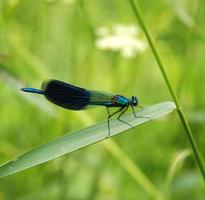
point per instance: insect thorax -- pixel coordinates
(120, 101)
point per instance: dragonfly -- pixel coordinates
(76, 98)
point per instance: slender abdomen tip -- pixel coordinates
(32, 90)
(24, 89)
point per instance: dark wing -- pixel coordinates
(66, 95)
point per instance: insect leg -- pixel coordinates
(109, 116)
(133, 110)
(122, 114)
(108, 121)
(108, 111)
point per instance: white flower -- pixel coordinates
(122, 38)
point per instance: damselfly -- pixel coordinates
(75, 98)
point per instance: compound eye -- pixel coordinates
(134, 101)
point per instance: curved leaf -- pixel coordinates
(82, 138)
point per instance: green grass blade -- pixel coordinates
(135, 172)
(183, 118)
(176, 164)
(82, 138)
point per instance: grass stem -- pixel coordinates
(180, 111)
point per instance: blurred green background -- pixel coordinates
(42, 39)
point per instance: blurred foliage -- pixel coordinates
(42, 39)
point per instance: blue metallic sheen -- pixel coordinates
(121, 100)
(32, 90)
(76, 98)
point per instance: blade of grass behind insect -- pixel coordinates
(132, 169)
(175, 165)
(180, 111)
(32, 61)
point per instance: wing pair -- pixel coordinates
(72, 97)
